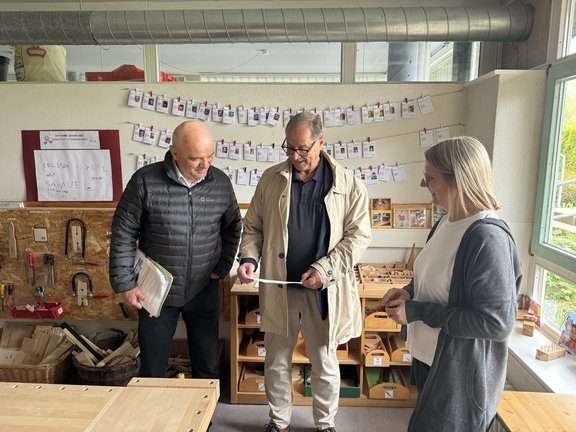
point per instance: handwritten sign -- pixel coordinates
(83, 175)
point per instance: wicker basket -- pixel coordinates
(53, 373)
(114, 373)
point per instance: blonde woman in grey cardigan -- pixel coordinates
(461, 305)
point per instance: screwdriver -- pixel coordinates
(30, 269)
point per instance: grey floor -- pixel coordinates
(252, 418)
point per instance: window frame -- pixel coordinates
(544, 196)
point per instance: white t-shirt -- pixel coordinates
(432, 276)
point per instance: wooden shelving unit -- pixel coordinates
(243, 305)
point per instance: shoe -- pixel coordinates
(273, 427)
(330, 429)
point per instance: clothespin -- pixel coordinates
(254, 109)
(244, 169)
(360, 168)
(378, 104)
(277, 109)
(352, 107)
(406, 99)
(272, 145)
(290, 110)
(178, 98)
(369, 137)
(314, 110)
(234, 142)
(205, 103)
(249, 143)
(222, 141)
(424, 130)
(229, 106)
(151, 128)
(150, 92)
(370, 166)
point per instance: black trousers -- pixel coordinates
(418, 374)
(200, 317)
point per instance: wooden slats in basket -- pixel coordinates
(53, 373)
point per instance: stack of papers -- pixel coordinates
(154, 282)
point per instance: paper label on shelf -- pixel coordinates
(258, 319)
(407, 358)
(262, 352)
(388, 394)
(261, 387)
(377, 361)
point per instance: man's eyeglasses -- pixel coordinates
(301, 152)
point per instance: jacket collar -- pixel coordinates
(173, 175)
(338, 183)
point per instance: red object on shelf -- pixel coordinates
(124, 73)
(49, 310)
(21, 312)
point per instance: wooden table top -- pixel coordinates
(537, 412)
(146, 405)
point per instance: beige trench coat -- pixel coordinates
(265, 239)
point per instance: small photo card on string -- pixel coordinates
(264, 116)
(178, 106)
(367, 114)
(217, 113)
(352, 115)
(390, 111)
(368, 149)
(253, 117)
(287, 115)
(222, 149)
(340, 151)
(229, 115)
(273, 153)
(138, 133)
(329, 118)
(399, 173)
(255, 177)
(408, 109)
(242, 115)
(204, 111)
(329, 149)
(162, 104)
(385, 173)
(149, 102)
(371, 175)
(192, 109)
(273, 117)
(262, 153)
(143, 160)
(242, 177)
(378, 113)
(233, 151)
(360, 174)
(426, 138)
(425, 105)
(135, 98)
(231, 173)
(149, 136)
(249, 152)
(165, 139)
(442, 134)
(340, 117)
(353, 150)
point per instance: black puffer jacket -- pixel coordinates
(191, 232)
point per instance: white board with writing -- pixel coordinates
(79, 175)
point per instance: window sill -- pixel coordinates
(556, 376)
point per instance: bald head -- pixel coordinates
(192, 149)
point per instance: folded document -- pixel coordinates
(154, 282)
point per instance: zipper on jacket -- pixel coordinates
(189, 264)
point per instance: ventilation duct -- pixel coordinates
(512, 23)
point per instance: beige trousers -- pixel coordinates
(303, 315)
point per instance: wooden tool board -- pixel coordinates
(103, 303)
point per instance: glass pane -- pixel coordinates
(104, 63)
(559, 297)
(82, 59)
(571, 45)
(417, 61)
(562, 222)
(281, 62)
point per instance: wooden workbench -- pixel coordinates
(145, 405)
(537, 412)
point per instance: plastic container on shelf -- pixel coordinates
(125, 73)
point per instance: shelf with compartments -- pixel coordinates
(374, 367)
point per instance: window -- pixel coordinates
(571, 29)
(554, 236)
(242, 62)
(417, 61)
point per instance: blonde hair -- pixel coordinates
(465, 162)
